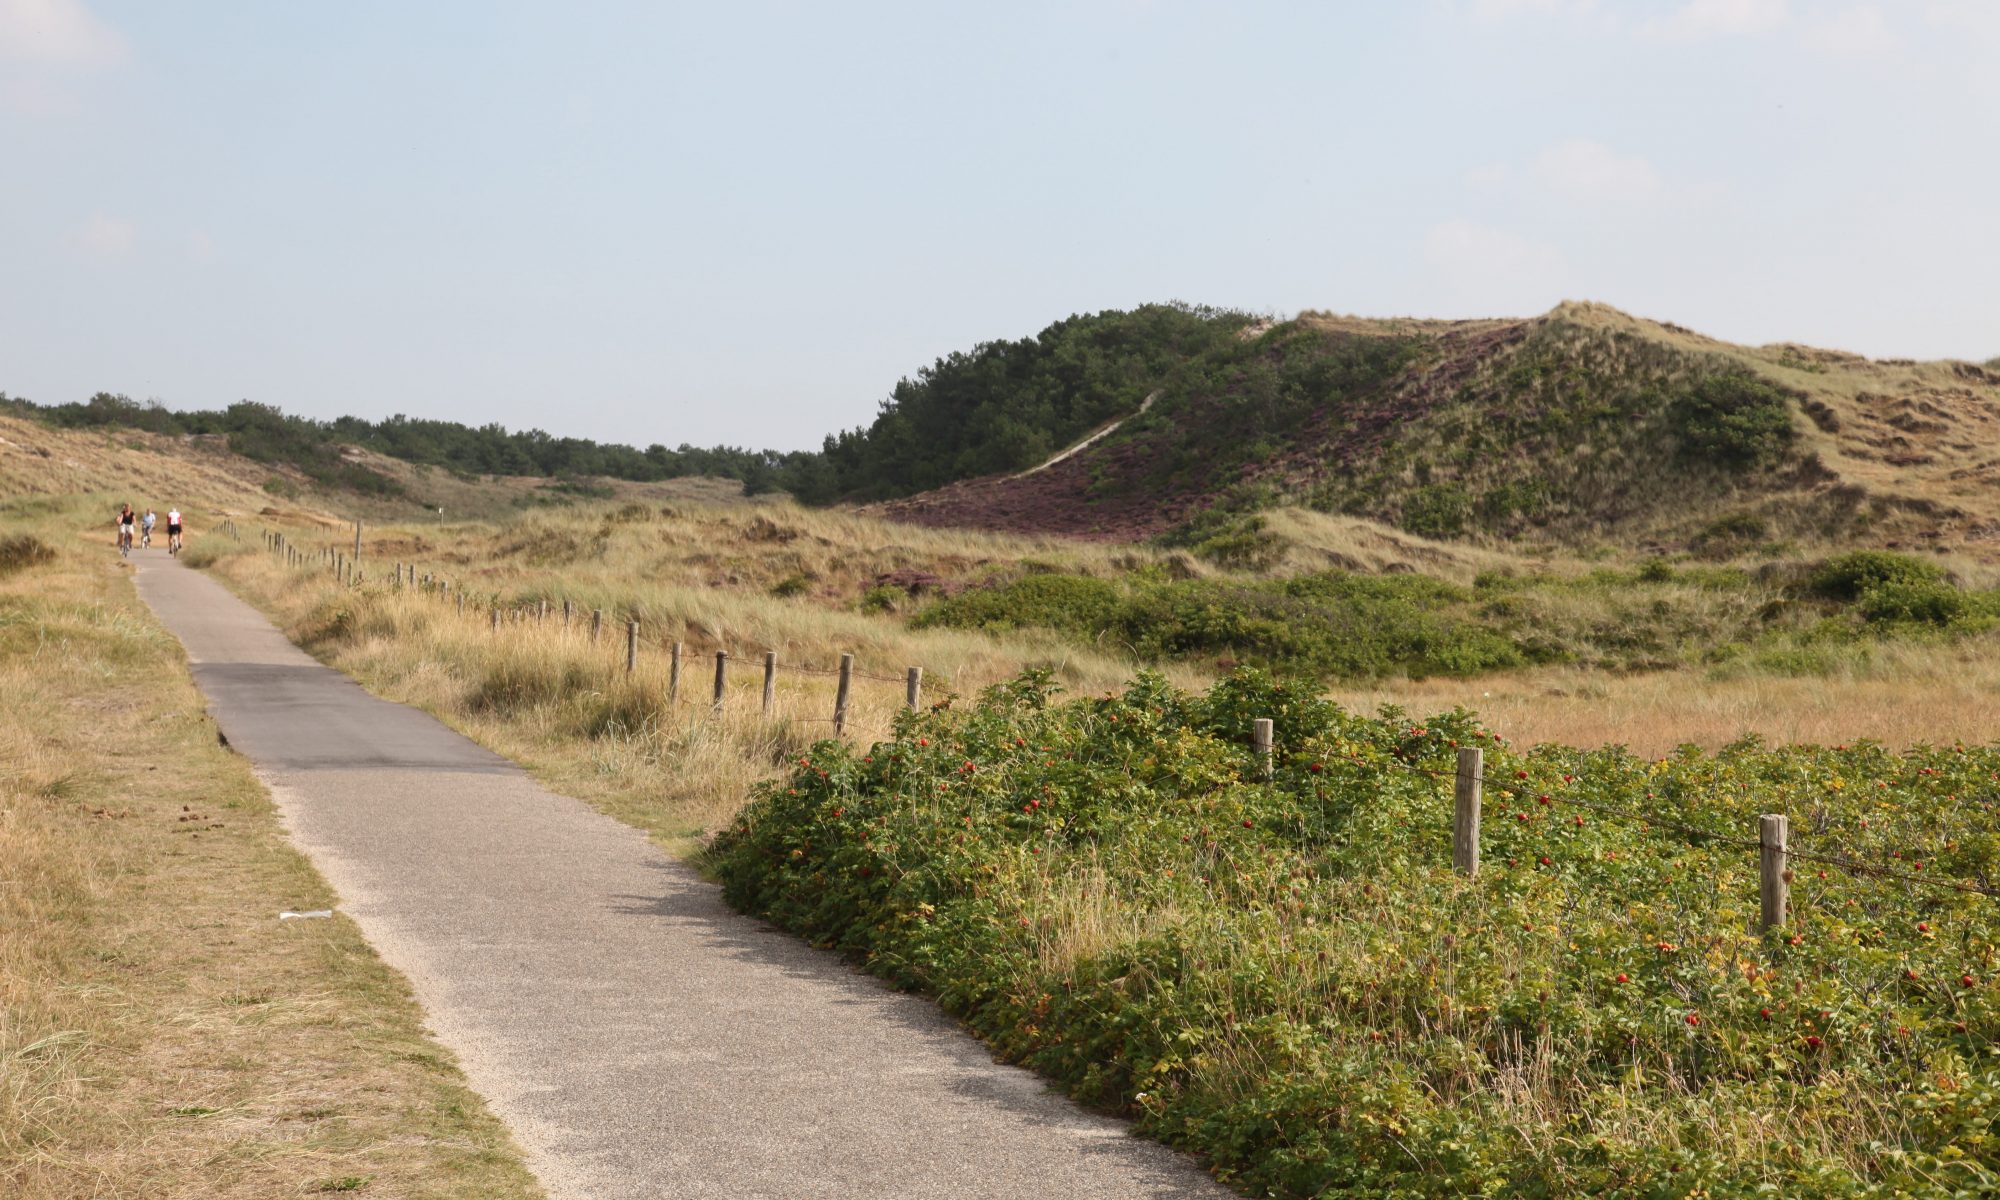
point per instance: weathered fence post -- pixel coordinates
(461, 602)
(913, 688)
(721, 669)
(840, 697)
(596, 622)
(631, 646)
(674, 676)
(1260, 743)
(1465, 817)
(494, 614)
(357, 541)
(542, 618)
(566, 609)
(770, 680)
(1772, 834)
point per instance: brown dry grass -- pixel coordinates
(162, 1033)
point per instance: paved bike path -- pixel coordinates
(639, 1037)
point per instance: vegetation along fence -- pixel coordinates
(1771, 841)
(568, 616)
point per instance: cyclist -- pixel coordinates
(125, 518)
(146, 529)
(173, 531)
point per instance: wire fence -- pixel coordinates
(1470, 781)
(503, 616)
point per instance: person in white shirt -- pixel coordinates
(173, 531)
(151, 518)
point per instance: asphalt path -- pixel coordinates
(639, 1037)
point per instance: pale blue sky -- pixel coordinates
(743, 222)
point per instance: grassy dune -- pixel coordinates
(162, 1033)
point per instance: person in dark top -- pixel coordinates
(125, 519)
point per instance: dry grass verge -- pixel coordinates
(162, 1033)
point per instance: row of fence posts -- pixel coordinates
(1773, 829)
(343, 569)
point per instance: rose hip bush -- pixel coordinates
(1287, 978)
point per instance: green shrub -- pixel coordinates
(20, 551)
(1734, 419)
(1848, 576)
(1078, 604)
(1913, 602)
(1437, 510)
(1288, 979)
(791, 585)
(281, 487)
(883, 598)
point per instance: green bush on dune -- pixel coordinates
(1289, 979)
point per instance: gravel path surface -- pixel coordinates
(639, 1037)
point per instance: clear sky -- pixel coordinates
(742, 222)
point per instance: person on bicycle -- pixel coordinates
(146, 529)
(125, 518)
(173, 531)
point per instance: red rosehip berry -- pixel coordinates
(1813, 1042)
(1694, 1018)
(1624, 978)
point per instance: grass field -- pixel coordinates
(162, 1032)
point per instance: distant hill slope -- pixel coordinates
(1581, 425)
(202, 476)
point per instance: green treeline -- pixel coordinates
(1003, 406)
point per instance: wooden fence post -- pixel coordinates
(840, 697)
(1465, 817)
(542, 618)
(566, 608)
(631, 647)
(357, 541)
(770, 680)
(461, 602)
(721, 669)
(494, 615)
(674, 676)
(913, 688)
(596, 622)
(1772, 833)
(1260, 742)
